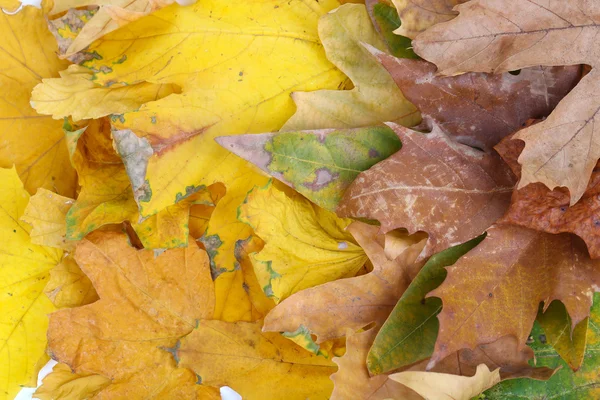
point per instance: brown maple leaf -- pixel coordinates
(495, 289)
(447, 189)
(504, 35)
(479, 109)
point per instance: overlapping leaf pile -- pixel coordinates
(293, 199)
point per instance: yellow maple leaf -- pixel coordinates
(24, 271)
(32, 142)
(63, 384)
(146, 303)
(305, 245)
(239, 82)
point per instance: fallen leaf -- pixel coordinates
(33, 143)
(255, 364)
(68, 286)
(62, 383)
(318, 164)
(385, 20)
(496, 288)
(305, 245)
(435, 385)
(146, 303)
(537, 207)
(24, 271)
(373, 100)
(46, 213)
(498, 36)
(569, 343)
(76, 31)
(449, 190)
(479, 109)
(409, 333)
(418, 15)
(566, 384)
(76, 95)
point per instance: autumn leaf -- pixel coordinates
(372, 100)
(305, 245)
(479, 109)
(418, 15)
(537, 266)
(33, 143)
(566, 384)
(146, 303)
(385, 20)
(329, 309)
(409, 333)
(318, 164)
(498, 36)
(62, 383)
(256, 364)
(46, 213)
(24, 271)
(449, 190)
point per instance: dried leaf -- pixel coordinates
(305, 245)
(146, 303)
(498, 36)
(373, 99)
(418, 15)
(449, 190)
(496, 288)
(319, 164)
(63, 384)
(480, 109)
(256, 364)
(24, 271)
(46, 213)
(329, 309)
(385, 20)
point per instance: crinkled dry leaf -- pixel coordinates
(480, 109)
(318, 164)
(418, 15)
(329, 309)
(498, 36)
(305, 244)
(34, 143)
(496, 288)
(373, 100)
(447, 189)
(146, 303)
(24, 271)
(62, 383)
(256, 364)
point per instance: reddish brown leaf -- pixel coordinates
(447, 189)
(479, 109)
(495, 289)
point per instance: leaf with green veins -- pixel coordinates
(565, 384)
(556, 323)
(410, 331)
(386, 20)
(320, 164)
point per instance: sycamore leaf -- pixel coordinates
(569, 344)
(24, 271)
(537, 207)
(46, 213)
(498, 36)
(257, 365)
(305, 245)
(329, 309)
(479, 293)
(385, 19)
(409, 333)
(319, 164)
(373, 100)
(479, 109)
(63, 384)
(565, 384)
(447, 189)
(146, 303)
(435, 385)
(76, 30)
(75, 94)
(33, 143)
(418, 15)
